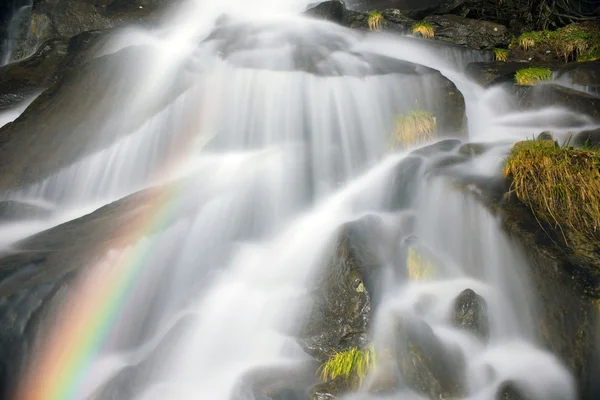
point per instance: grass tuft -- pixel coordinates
(560, 184)
(353, 362)
(414, 127)
(501, 54)
(375, 20)
(532, 76)
(424, 29)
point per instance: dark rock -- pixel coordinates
(510, 391)
(425, 363)
(15, 210)
(469, 32)
(342, 299)
(492, 73)
(470, 313)
(449, 108)
(581, 73)
(281, 382)
(443, 146)
(416, 9)
(334, 11)
(548, 95)
(546, 135)
(473, 149)
(330, 390)
(29, 77)
(86, 110)
(588, 139)
(404, 180)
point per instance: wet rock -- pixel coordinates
(442, 146)
(581, 73)
(549, 94)
(473, 149)
(334, 11)
(330, 390)
(492, 73)
(510, 391)
(469, 32)
(278, 382)
(15, 210)
(343, 295)
(403, 183)
(87, 109)
(27, 78)
(416, 9)
(470, 313)
(546, 135)
(425, 363)
(588, 139)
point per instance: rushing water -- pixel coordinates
(268, 161)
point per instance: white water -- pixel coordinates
(278, 160)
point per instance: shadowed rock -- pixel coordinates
(469, 32)
(470, 314)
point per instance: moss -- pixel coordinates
(375, 20)
(353, 364)
(413, 128)
(424, 29)
(501, 54)
(591, 56)
(569, 42)
(561, 186)
(532, 76)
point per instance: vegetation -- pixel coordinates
(350, 363)
(532, 76)
(593, 56)
(561, 185)
(375, 20)
(424, 29)
(420, 267)
(415, 127)
(501, 54)
(570, 42)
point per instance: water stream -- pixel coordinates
(269, 161)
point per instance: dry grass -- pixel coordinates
(501, 54)
(419, 267)
(560, 185)
(424, 29)
(414, 128)
(375, 21)
(532, 76)
(352, 362)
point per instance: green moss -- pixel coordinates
(375, 20)
(424, 29)
(501, 54)
(532, 76)
(350, 363)
(561, 185)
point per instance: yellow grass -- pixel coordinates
(353, 362)
(375, 21)
(424, 29)
(414, 128)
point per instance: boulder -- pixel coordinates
(29, 77)
(492, 73)
(469, 32)
(416, 9)
(342, 302)
(330, 390)
(426, 364)
(89, 108)
(334, 11)
(587, 138)
(510, 391)
(553, 95)
(277, 382)
(470, 314)
(581, 73)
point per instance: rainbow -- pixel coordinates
(59, 367)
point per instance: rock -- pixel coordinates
(414, 8)
(588, 139)
(29, 77)
(581, 73)
(334, 11)
(470, 313)
(278, 382)
(469, 32)
(11, 210)
(443, 146)
(87, 109)
(473, 149)
(510, 391)
(493, 73)
(425, 363)
(546, 135)
(403, 183)
(330, 390)
(342, 298)
(552, 95)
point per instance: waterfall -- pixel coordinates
(280, 138)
